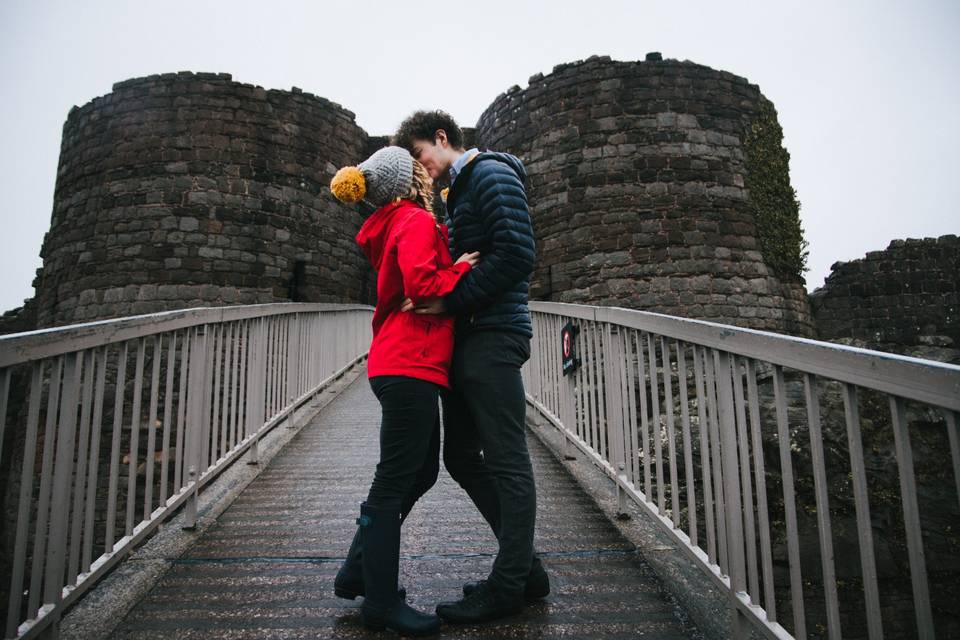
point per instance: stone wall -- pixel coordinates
(185, 189)
(908, 294)
(637, 190)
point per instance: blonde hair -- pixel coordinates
(421, 188)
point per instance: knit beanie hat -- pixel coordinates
(384, 176)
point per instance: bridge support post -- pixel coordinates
(197, 400)
(730, 472)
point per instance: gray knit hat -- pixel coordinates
(388, 174)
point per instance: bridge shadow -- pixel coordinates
(266, 569)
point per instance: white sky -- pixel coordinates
(868, 93)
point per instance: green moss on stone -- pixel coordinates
(772, 200)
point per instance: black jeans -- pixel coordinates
(409, 442)
(485, 413)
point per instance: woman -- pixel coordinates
(408, 365)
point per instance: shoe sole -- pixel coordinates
(346, 594)
(349, 594)
(526, 596)
(377, 626)
(471, 620)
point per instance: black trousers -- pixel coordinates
(485, 446)
(409, 442)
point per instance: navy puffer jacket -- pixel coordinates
(487, 212)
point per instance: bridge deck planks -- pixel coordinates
(266, 569)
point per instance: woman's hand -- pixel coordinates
(471, 258)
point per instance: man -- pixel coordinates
(486, 212)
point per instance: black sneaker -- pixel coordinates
(484, 603)
(537, 586)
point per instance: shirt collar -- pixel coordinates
(461, 162)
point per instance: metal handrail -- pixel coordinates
(671, 410)
(207, 384)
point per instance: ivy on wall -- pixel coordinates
(772, 200)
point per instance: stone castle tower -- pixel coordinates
(185, 189)
(188, 189)
(638, 195)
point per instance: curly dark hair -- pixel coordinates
(422, 125)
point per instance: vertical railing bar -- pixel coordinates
(543, 371)
(210, 334)
(703, 429)
(194, 445)
(644, 419)
(152, 427)
(951, 422)
(282, 365)
(558, 378)
(115, 447)
(545, 368)
(671, 431)
(93, 472)
(284, 362)
(46, 479)
(719, 490)
(610, 387)
(592, 384)
(618, 369)
(216, 452)
(235, 394)
(135, 436)
(275, 367)
(185, 355)
(79, 490)
(746, 485)
(601, 358)
(789, 503)
(731, 478)
(536, 363)
(823, 505)
(293, 358)
(911, 520)
(862, 503)
(225, 395)
(766, 555)
(622, 405)
(4, 396)
(687, 443)
(271, 359)
(24, 504)
(240, 380)
(570, 419)
(656, 423)
(243, 404)
(62, 474)
(629, 354)
(551, 360)
(167, 416)
(583, 419)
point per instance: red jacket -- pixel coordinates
(409, 251)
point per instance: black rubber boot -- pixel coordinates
(538, 582)
(349, 581)
(382, 608)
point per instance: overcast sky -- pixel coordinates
(868, 93)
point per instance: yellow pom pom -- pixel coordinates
(349, 185)
(444, 193)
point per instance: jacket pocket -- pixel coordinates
(438, 342)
